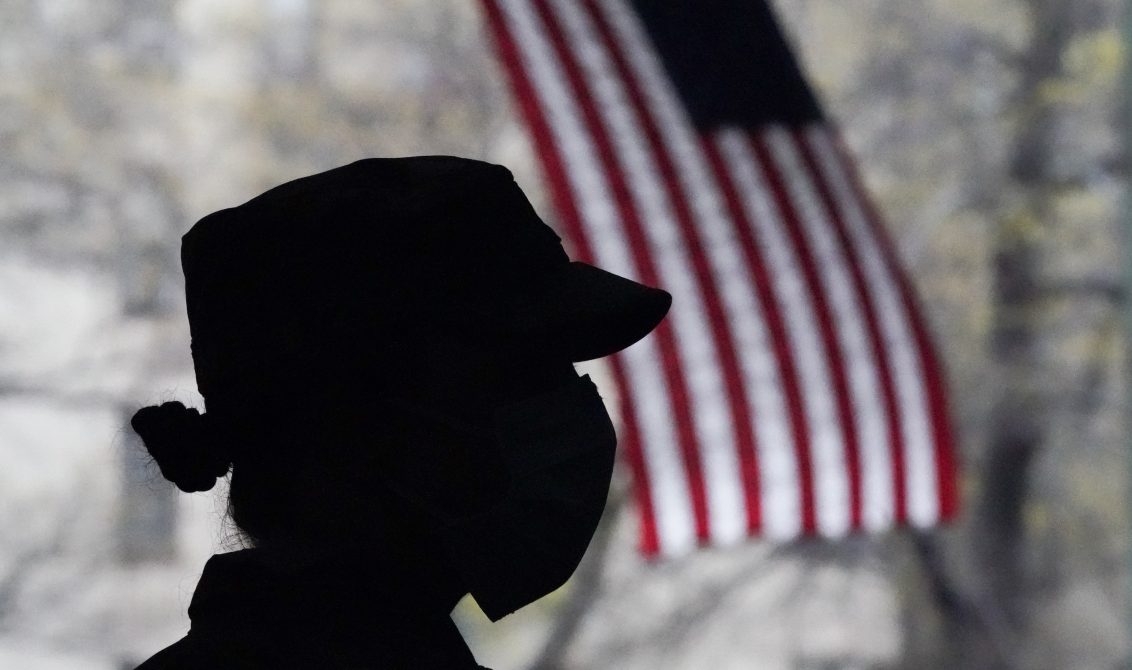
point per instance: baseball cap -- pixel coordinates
(342, 269)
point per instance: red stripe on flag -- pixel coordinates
(630, 442)
(761, 283)
(631, 222)
(944, 444)
(790, 216)
(876, 339)
(718, 321)
(555, 174)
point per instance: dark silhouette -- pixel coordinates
(385, 352)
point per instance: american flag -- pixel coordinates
(794, 388)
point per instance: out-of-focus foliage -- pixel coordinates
(987, 129)
(990, 133)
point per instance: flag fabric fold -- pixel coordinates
(794, 388)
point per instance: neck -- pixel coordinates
(411, 571)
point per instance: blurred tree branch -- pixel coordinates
(584, 586)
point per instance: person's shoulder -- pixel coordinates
(177, 655)
(196, 652)
(186, 653)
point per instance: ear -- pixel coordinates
(440, 464)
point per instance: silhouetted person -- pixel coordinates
(385, 353)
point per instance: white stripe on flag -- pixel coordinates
(713, 425)
(837, 283)
(919, 456)
(760, 373)
(877, 489)
(671, 498)
(794, 299)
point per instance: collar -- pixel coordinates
(346, 610)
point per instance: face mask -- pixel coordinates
(557, 451)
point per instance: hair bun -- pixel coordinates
(179, 439)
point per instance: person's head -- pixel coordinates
(357, 329)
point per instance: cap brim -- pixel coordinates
(595, 313)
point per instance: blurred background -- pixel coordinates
(991, 135)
